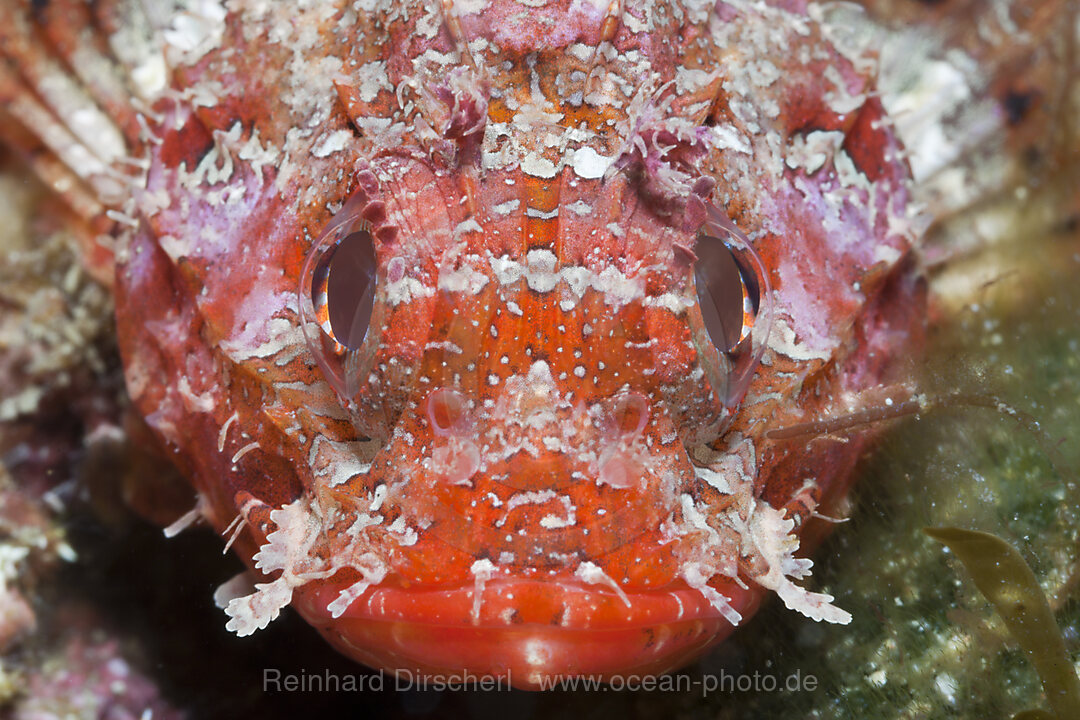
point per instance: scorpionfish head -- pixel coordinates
(531, 372)
(478, 331)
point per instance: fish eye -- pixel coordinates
(339, 285)
(343, 288)
(344, 312)
(734, 308)
(727, 294)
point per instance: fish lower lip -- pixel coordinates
(526, 631)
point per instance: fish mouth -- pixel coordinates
(524, 632)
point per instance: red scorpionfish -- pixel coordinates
(470, 321)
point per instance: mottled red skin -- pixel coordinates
(185, 281)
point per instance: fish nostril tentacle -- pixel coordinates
(456, 457)
(626, 416)
(619, 471)
(457, 461)
(623, 421)
(448, 413)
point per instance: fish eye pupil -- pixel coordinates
(721, 285)
(344, 280)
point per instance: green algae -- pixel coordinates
(1006, 580)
